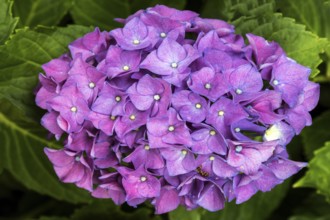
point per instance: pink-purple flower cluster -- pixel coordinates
(174, 109)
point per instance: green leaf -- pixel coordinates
(183, 214)
(53, 218)
(316, 135)
(312, 13)
(313, 207)
(22, 57)
(7, 22)
(106, 209)
(41, 12)
(302, 217)
(258, 207)
(315, 15)
(100, 13)
(22, 155)
(318, 174)
(231, 10)
(143, 4)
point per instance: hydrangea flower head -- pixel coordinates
(149, 113)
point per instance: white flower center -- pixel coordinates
(118, 98)
(238, 148)
(174, 65)
(198, 106)
(275, 82)
(77, 158)
(143, 178)
(126, 68)
(237, 130)
(112, 117)
(212, 158)
(221, 113)
(136, 42)
(132, 117)
(207, 86)
(146, 147)
(184, 152)
(171, 128)
(91, 85)
(238, 91)
(162, 35)
(156, 97)
(73, 109)
(212, 132)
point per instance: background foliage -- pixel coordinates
(34, 31)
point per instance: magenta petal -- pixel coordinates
(211, 198)
(167, 201)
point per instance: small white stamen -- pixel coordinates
(143, 178)
(184, 152)
(212, 158)
(156, 97)
(275, 82)
(171, 128)
(174, 65)
(132, 117)
(238, 91)
(237, 130)
(91, 85)
(207, 86)
(126, 68)
(136, 42)
(146, 147)
(221, 113)
(73, 109)
(198, 106)
(212, 132)
(77, 158)
(118, 98)
(238, 148)
(163, 35)
(112, 117)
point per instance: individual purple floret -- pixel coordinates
(150, 93)
(135, 35)
(191, 107)
(174, 109)
(170, 60)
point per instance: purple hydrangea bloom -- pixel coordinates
(207, 140)
(174, 109)
(191, 107)
(168, 130)
(73, 108)
(135, 35)
(71, 167)
(170, 60)
(90, 46)
(208, 83)
(119, 62)
(223, 113)
(150, 93)
(139, 185)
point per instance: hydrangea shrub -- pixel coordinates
(174, 109)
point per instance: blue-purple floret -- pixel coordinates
(176, 110)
